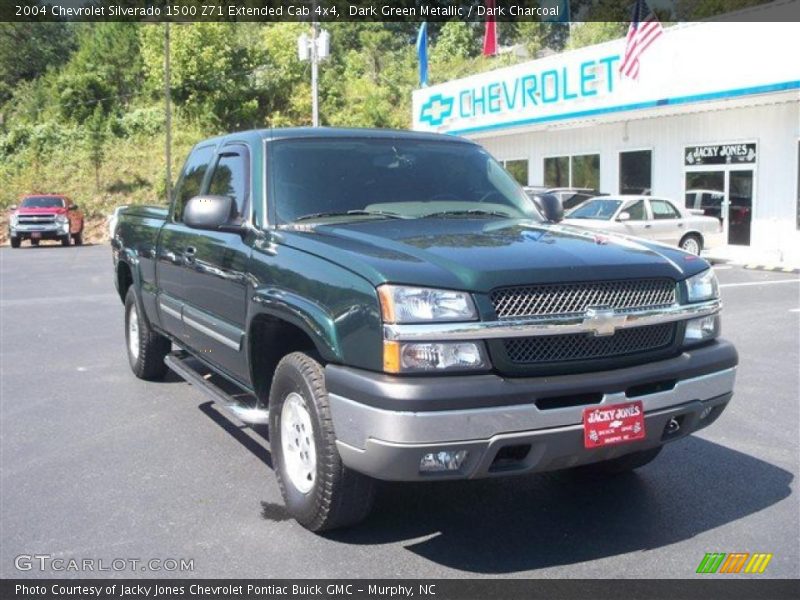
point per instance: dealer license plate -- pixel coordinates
(613, 424)
(35, 235)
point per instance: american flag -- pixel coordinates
(644, 30)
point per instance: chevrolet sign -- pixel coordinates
(604, 321)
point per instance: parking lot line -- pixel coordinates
(742, 284)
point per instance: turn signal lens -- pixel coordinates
(391, 357)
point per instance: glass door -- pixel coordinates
(740, 207)
(727, 195)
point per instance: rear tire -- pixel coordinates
(15, 241)
(65, 239)
(146, 348)
(692, 244)
(319, 491)
(617, 466)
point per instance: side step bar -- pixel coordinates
(241, 405)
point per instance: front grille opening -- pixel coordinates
(582, 346)
(510, 457)
(567, 401)
(575, 298)
(650, 388)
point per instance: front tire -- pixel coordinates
(15, 241)
(146, 348)
(65, 239)
(319, 491)
(692, 244)
(34, 243)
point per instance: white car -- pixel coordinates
(111, 220)
(656, 219)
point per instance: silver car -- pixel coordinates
(656, 219)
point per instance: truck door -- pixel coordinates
(173, 240)
(215, 272)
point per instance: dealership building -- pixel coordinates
(712, 122)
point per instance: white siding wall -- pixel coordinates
(774, 127)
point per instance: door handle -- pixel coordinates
(680, 224)
(647, 226)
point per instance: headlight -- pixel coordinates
(701, 329)
(416, 357)
(703, 286)
(401, 304)
(14, 220)
(61, 219)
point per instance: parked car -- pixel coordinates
(569, 197)
(45, 217)
(396, 308)
(651, 218)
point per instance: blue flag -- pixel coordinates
(422, 53)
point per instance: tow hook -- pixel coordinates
(673, 426)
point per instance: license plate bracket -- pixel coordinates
(613, 424)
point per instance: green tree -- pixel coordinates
(96, 133)
(456, 40)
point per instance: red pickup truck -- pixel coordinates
(45, 217)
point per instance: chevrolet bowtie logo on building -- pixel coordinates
(436, 110)
(604, 321)
(735, 562)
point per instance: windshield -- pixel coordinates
(596, 209)
(42, 202)
(385, 178)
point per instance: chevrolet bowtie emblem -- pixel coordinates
(604, 321)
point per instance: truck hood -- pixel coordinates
(481, 254)
(36, 210)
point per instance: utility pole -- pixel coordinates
(167, 115)
(314, 75)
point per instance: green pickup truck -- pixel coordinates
(391, 305)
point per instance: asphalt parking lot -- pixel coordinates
(95, 464)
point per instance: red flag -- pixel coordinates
(490, 34)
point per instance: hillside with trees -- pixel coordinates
(82, 105)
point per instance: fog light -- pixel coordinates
(701, 329)
(445, 460)
(706, 411)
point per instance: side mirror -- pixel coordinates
(624, 216)
(551, 207)
(211, 212)
(73, 207)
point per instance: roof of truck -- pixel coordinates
(336, 132)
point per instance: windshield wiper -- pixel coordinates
(358, 213)
(471, 212)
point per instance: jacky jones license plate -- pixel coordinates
(613, 424)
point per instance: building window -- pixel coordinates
(556, 171)
(635, 172)
(518, 170)
(580, 171)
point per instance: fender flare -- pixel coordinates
(308, 316)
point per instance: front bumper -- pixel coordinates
(49, 231)
(384, 425)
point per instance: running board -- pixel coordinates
(234, 403)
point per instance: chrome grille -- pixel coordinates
(38, 219)
(582, 346)
(575, 298)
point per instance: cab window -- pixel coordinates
(230, 179)
(191, 179)
(663, 210)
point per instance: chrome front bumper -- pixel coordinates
(388, 443)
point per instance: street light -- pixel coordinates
(315, 49)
